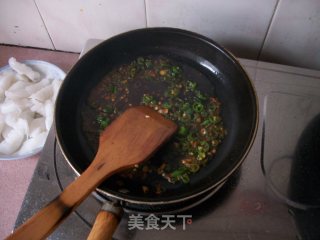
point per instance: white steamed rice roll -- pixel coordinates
(33, 143)
(43, 94)
(37, 126)
(23, 69)
(12, 142)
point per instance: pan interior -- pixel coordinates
(224, 78)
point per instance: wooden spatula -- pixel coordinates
(129, 140)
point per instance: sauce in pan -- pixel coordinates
(174, 91)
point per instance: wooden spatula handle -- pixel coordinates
(40, 225)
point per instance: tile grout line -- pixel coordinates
(145, 12)
(44, 24)
(268, 29)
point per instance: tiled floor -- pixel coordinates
(15, 175)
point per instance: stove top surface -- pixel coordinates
(257, 202)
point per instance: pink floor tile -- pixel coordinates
(15, 176)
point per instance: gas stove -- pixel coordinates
(255, 203)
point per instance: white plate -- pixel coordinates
(45, 69)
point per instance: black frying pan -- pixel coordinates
(223, 74)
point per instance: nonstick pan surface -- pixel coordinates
(225, 79)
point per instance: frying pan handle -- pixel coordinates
(106, 222)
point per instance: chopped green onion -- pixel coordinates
(191, 86)
(179, 172)
(200, 95)
(114, 89)
(184, 178)
(174, 92)
(107, 109)
(148, 63)
(146, 99)
(207, 122)
(103, 122)
(175, 70)
(201, 155)
(133, 72)
(205, 146)
(197, 107)
(140, 60)
(216, 119)
(166, 105)
(183, 131)
(194, 168)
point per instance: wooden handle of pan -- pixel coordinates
(40, 225)
(106, 222)
(104, 226)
